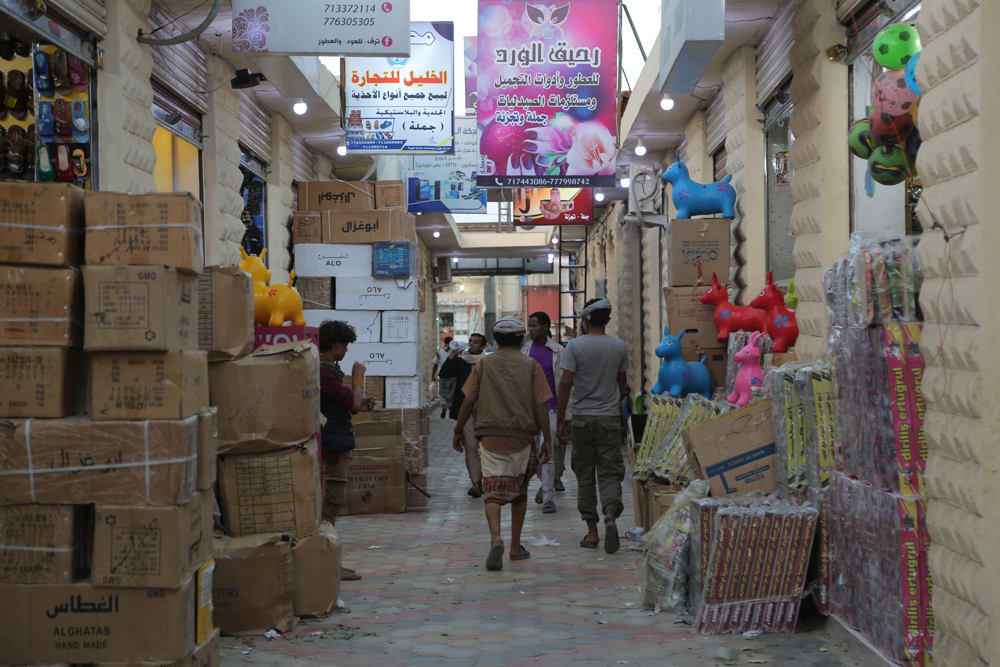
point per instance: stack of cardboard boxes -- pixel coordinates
(355, 261)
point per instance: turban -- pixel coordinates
(603, 304)
(511, 324)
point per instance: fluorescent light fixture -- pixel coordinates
(437, 234)
(300, 107)
(599, 196)
(454, 260)
(342, 149)
(666, 102)
(625, 182)
(640, 148)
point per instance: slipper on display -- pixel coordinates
(63, 125)
(30, 135)
(29, 82)
(3, 97)
(46, 122)
(46, 172)
(77, 73)
(79, 163)
(17, 150)
(64, 169)
(81, 126)
(3, 149)
(17, 95)
(43, 78)
(6, 46)
(22, 49)
(60, 72)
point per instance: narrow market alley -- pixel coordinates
(426, 598)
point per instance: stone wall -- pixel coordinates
(280, 200)
(223, 204)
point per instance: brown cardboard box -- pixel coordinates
(638, 492)
(40, 306)
(277, 491)
(316, 293)
(41, 625)
(374, 388)
(379, 439)
(779, 359)
(735, 451)
(410, 418)
(41, 223)
(253, 586)
(715, 362)
(203, 655)
(161, 229)
(336, 196)
(208, 449)
(416, 482)
(695, 249)
(139, 308)
(267, 400)
(44, 544)
(99, 462)
(42, 382)
(376, 486)
(317, 572)
(225, 312)
(686, 311)
(659, 498)
(390, 194)
(143, 546)
(366, 226)
(148, 385)
(306, 227)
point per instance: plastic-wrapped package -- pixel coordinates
(670, 461)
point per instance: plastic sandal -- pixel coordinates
(45, 170)
(22, 49)
(43, 80)
(79, 163)
(64, 170)
(17, 150)
(63, 126)
(46, 122)
(81, 126)
(6, 46)
(17, 95)
(29, 82)
(3, 98)
(3, 149)
(60, 72)
(77, 73)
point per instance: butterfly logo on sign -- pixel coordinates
(554, 16)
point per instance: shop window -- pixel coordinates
(254, 193)
(778, 140)
(719, 164)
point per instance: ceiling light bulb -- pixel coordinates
(640, 148)
(666, 102)
(342, 149)
(419, 213)
(551, 260)
(300, 107)
(554, 240)
(461, 288)
(599, 196)
(437, 234)
(454, 260)
(626, 181)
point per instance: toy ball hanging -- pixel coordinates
(861, 141)
(910, 73)
(913, 143)
(888, 165)
(890, 93)
(889, 130)
(896, 45)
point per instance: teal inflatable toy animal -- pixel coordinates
(692, 198)
(678, 377)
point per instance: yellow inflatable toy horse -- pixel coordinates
(273, 305)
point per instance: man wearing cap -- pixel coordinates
(594, 367)
(509, 394)
(457, 368)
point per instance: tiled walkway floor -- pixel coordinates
(427, 599)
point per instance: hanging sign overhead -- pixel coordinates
(308, 27)
(546, 93)
(553, 206)
(404, 105)
(691, 33)
(471, 47)
(447, 183)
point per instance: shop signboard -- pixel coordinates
(691, 33)
(546, 93)
(404, 105)
(553, 206)
(312, 28)
(471, 45)
(447, 183)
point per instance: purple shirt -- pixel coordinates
(543, 356)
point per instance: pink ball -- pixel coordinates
(891, 94)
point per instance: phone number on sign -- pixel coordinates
(351, 9)
(349, 21)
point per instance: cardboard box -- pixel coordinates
(205, 654)
(268, 400)
(225, 312)
(110, 462)
(336, 260)
(138, 546)
(379, 439)
(148, 385)
(42, 382)
(336, 196)
(695, 249)
(374, 294)
(367, 323)
(390, 194)
(41, 223)
(44, 544)
(139, 308)
(394, 259)
(779, 359)
(291, 334)
(403, 393)
(42, 625)
(686, 311)
(306, 227)
(400, 326)
(276, 491)
(316, 292)
(316, 559)
(376, 485)
(735, 451)
(374, 388)
(203, 589)
(384, 359)
(40, 306)
(351, 227)
(715, 362)
(253, 585)
(659, 499)
(163, 229)
(208, 437)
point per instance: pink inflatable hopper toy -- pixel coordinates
(751, 374)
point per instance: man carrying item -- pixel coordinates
(547, 353)
(446, 388)
(594, 368)
(509, 394)
(457, 367)
(337, 403)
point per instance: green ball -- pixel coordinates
(888, 165)
(895, 45)
(861, 141)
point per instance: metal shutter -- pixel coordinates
(719, 159)
(89, 14)
(302, 160)
(773, 65)
(295, 196)
(715, 123)
(682, 151)
(846, 7)
(255, 125)
(181, 69)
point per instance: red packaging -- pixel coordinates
(275, 335)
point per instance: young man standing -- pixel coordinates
(547, 353)
(509, 394)
(594, 367)
(446, 388)
(458, 367)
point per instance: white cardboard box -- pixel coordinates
(383, 359)
(400, 326)
(403, 393)
(333, 259)
(367, 324)
(375, 294)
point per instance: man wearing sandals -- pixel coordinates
(594, 367)
(509, 394)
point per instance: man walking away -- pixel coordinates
(594, 367)
(446, 388)
(457, 367)
(509, 394)
(547, 353)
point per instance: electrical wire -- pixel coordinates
(153, 32)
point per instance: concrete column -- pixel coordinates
(821, 216)
(223, 204)
(652, 297)
(279, 200)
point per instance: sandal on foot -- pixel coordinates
(588, 545)
(549, 508)
(611, 542)
(475, 491)
(348, 576)
(524, 555)
(495, 560)
(559, 486)
(538, 497)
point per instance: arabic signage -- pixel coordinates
(308, 27)
(404, 105)
(553, 206)
(447, 183)
(691, 33)
(470, 74)
(546, 93)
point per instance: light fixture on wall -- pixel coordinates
(461, 287)
(436, 234)
(666, 102)
(419, 213)
(640, 148)
(246, 79)
(454, 260)
(341, 149)
(555, 240)
(625, 180)
(552, 258)
(599, 196)
(300, 107)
